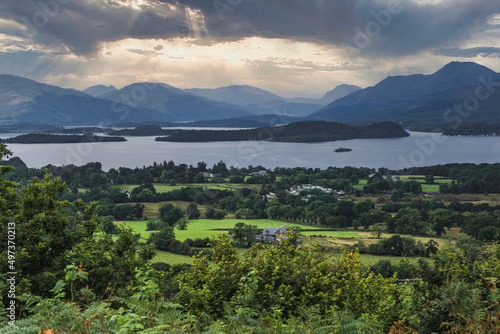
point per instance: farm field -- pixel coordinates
(163, 188)
(361, 184)
(426, 188)
(203, 228)
(206, 228)
(419, 178)
(171, 258)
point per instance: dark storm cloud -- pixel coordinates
(82, 25)
(486, 52)
(374, 27)
(384, 27)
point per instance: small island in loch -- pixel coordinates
(343, 149)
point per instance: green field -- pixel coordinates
(419, 178)
(430, 188)
(361, 184)
(163, 188)
(203, 228)
(427, 188)
(206, 228)
(334, 234)
(171, 258)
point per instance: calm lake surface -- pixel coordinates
(420, 149)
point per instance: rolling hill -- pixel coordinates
(25, 100)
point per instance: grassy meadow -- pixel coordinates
(164, 188)
(203, 228)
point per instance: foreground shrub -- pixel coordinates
(282, 279)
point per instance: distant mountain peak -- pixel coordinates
(99, 90)
(456, 67)
(338, 92)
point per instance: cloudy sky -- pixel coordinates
(290, 47)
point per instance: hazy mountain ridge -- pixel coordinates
(262, 102)
(240, 95)
(25, 100)
(417, 99)
(173, 103)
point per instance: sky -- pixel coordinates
(293, 48)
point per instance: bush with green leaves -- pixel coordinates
(458, 293)
(162, 239)
(170, 214)
(281, 279)
(244, 234)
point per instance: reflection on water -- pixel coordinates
(421, 149)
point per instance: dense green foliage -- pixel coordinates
(282, 280)
(411, 213)
(470, 178)
(244, 235)
(51, 234)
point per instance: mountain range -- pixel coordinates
(25, 100)
(422, 99)
(175, 104)
(457, 92)
(262, 102)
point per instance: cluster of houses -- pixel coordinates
(296, 190)
(259, 173)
